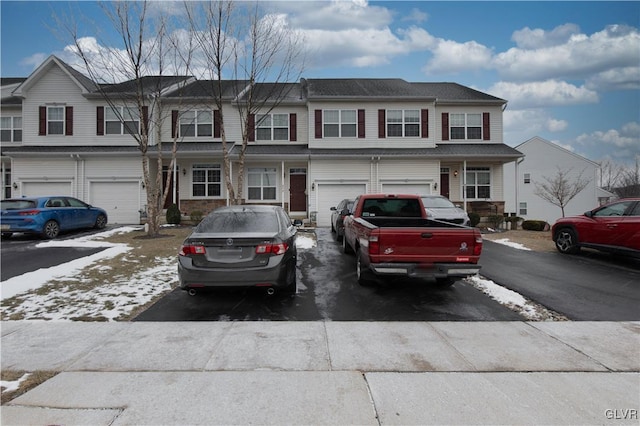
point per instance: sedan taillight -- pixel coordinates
(188, 250)
(274, 249)
(30, 212)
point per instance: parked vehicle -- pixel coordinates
(613, 227)
(241, 246)
(48, 216)
(392, 236)
(440, 208)
(337, 217)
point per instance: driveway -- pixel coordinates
(328, 290)
(591, 286)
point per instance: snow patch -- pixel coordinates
(506, 242)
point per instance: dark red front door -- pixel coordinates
(444, 184)
(297, 195)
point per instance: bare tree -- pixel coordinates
(560, 189)
(610, 174)
(629, 182)
(132, 94)
(242, 50)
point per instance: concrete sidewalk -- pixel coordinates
(326, 372)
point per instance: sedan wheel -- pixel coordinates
(51, 229)
(567, 241)
(101, 222)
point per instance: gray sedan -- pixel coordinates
(440, 208)
(240, 246)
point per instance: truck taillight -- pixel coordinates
(188, 250)
(374, 244)
(274, 249)
(477, 249)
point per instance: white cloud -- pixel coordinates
(580, 56)
(416, 15)
(543, 94)
(627, 137)
(554, 125)
(627, 78)
(527, 38)
(335, 15)
(450, 56)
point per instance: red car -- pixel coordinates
(613, 227)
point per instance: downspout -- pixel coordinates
(230, 177)
(378, 174)
(464, 184)
(371, 174)
(175, 180)
(282, 192)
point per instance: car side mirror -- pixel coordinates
(345, 212)
(333, 209)
(297, 222)
(588, 214)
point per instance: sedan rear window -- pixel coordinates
(247, 221)
(437, 202)
(17, 204)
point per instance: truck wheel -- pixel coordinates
(364, 277)
(346, 248)
(445, 282)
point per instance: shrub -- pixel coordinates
(196, 216)
(535, 225)
(495, 220)
(474, 219)
(173, 215)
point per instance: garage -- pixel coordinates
(121, 200)
(407, 188)
(38, 189)
(330, 194)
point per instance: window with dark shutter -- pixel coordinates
(445, 126)
(145, 119)
(100, 121)
(42, 121)
(486, 135)
(382, 124)
(68, 118)
(217, 121)
(361, 131)
(318, 123)
(293, 131)
(424, 123)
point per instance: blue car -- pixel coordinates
(48, 216)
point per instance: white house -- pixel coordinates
(543, 159)
(328, 139)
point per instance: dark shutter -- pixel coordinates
(174, 123)
(145, 120)
(382, 123)
(445, 126)
(68, 121)
(293, 128)
(217, 121)
(486, 134)
(42, 120)
(318, 123)
(100, 121)
(424, 118)
(251, 128)
(361, 132)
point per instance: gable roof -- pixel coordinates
(84, 83)
(538, 140)
(332, 88)
(453, 92)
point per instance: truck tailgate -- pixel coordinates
(426, 245)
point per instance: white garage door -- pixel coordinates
(121, 200)
(38, 189)
(329, 195)
(406, 188)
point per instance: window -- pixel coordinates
(261, 183)
(478, 182)
(122, 121)
(55, 120)
(196, 123)
(527, 178)
(522, 211)
(7, 183)
(403, 123)
(466, 126)
(206, 180)
(340, 123)
(272, 127)
(11, 129)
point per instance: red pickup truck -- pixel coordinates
(392, 236)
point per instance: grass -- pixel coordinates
(31, 381)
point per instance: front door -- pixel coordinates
(169, 200)
(297, 192)
(444, 184)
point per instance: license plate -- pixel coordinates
(5, 227)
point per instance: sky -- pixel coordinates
(570, 71)
(120, 296)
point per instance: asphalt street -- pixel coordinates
(590, 286)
